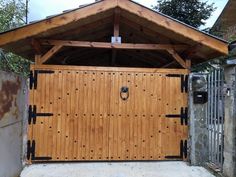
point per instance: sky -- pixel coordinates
(39, 9)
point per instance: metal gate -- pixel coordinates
(97, 114)
(215, 117)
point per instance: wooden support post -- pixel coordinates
(37, 46)
(37, 59)
(188, 64)
(116, 33)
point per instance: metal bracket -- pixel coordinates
(31, 152)
(183, 116)
(33, 114)
(34, 77)
(183, 151)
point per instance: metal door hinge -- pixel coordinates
(31, 152)
(34, 77)
(183, 151)
(33, 114)
(184, 81)
(183, 116)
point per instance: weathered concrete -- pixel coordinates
(12, 111)
(198, 126)
(229, 168)
(134, 169)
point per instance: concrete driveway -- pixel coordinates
(132, 169)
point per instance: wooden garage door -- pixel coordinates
(97, 114)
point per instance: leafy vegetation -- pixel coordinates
(12, 15)
(191, 12)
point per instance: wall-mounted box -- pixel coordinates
(200, 97)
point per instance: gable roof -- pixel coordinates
(88, 20)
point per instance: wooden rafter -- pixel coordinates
(178, 58)
(107, 45)
(49, 54)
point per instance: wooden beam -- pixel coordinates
(107, 45)
(116, 34)
(173, 27)
(37, 46)
(49, 54)
(178, 58)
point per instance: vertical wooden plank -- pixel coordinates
(92, 115)
(72, 117)
(140, 113)
(130, 111)
(162, 130)
(76, 109)
(136, 117)
(63, 115)
(54, 92)
(126, 119)
(149, 96)
(50, 119)
(41, 144)
(119, 121)
(107, 120)
(59, 115)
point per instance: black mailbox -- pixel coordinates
(200, 97)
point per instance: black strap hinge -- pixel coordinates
(183, 151)
(31, 152)
(184, 81)
(34, 77)
(33, 114)
(183, 116)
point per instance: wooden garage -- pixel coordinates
(109, 82)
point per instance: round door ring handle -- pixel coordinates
(124, 93)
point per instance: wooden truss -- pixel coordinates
(115, 45)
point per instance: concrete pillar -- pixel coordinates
(198, 123)
(229, 167)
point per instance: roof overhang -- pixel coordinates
(200, 44)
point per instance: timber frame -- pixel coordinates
(165, 40)
(58, 44)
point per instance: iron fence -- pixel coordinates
(215, 117)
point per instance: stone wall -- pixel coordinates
(229, 168)
(13, 96)
(230, 33)
(198, 126)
